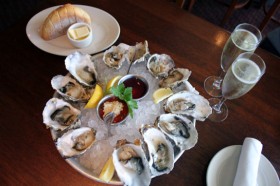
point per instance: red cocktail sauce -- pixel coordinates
(122, 114)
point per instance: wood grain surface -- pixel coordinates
(28, 154)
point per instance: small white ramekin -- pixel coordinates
(80, 43)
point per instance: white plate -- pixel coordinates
(222, 168)
(105, 27)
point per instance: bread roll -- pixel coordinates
(58, 21)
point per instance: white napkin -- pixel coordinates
(247, 169)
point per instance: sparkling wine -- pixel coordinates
(240, 78)
(240, 41)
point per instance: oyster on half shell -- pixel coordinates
(81, 68)
(160, 64)
(60, 115)
(175, 76)
(116, 55)
(69, 88)
(75, 142)
(160, 151)
(188, 103)
(179, 129)
(131, 165)
(138, 53)
(183, 85)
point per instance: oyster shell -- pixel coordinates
(75, 142)
(183, 85)
(116, 55)
(69, 88)
(160, 150)
(138, 52)
(131, 165)
(60, 115)
(188, 103)
(179, 129)
(175, 76)
(81, 68)
(160, 65)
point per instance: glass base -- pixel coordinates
(212, 87)
(217, 116)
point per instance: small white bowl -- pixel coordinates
(83, 42)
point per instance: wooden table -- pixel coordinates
(28, 154)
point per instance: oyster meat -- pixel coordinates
(160, 150)
(131, 165)
(59, 115)
(188, 103)
(116, 55)
(75, 142)
(81, 68)
(175, 76)
(179, 129)
(183, 85)
(69, 88)
(160, 65)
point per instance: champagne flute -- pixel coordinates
(241, 77)
(244, 38)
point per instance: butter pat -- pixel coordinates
(79, 33)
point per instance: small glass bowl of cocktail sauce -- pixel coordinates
(112, 101)
(139, 85)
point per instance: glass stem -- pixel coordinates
(218, 106)
(218, 81)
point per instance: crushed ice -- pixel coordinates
(147, 112)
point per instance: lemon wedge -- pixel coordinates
(107, 171)
(161, 94)
(113, 82)
(95, 98)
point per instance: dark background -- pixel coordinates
(12, 11)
